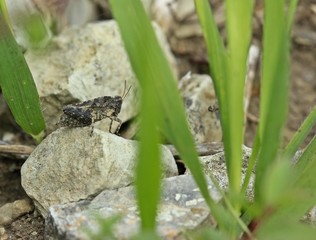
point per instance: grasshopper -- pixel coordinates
(88, 112)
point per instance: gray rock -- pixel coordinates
(70, 165)
(215, 165)
(11, 211)
(83, 63)
(198, 94)
(182, 208)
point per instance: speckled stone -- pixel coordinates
(198, 95)
(85, 62)
(70, 165)
(182, 208)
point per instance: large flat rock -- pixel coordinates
(70, 165)
(182, 208)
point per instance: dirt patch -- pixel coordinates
(29, 226)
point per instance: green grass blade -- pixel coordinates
(218, 59)
(137, 43)
(297, 200)
(280, 227)
(294, 201)
(146, 236)
(228, 70)
(305, 181)
(35, 30)
(306, 165)
(291, 13)
(274, 87)
(17, 84)
(300, 134)
(251, 163)
(4, 10)
(238, 25)
(148, 170)
(151, 68)
(209, 233)
(216, 51)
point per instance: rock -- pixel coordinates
(83, 63)
(198, 94)
(176, 18)
(11, 211)
(216, 166)
(3, 234)
(87, 8)
(70, 165)
(182, 208)
(304, 36)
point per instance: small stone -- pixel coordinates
(4, 237)
(70, 165)
(198, 94)
(2, 231)
(11, 211)
(215, 165)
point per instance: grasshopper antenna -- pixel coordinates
(125, 93)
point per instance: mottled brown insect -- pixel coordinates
(94, 110)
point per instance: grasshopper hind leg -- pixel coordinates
(92, 129)
(116, 119)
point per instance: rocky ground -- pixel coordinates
(302, 99)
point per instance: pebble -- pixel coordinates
(11, 211)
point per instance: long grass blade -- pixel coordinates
(151, 68)
(148, 171)
(218, 60)
(305, 182)
(274, 88)
(291, 13)
(238, 25)
(251, 163)
(17, 84)
(307, 163)
(301, 134)
(298, 198)
(4, 10)
(137, 39)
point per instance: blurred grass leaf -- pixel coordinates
(35, 30)
(274, 88)
(146, 235)
(106, 226)
(159, 90)
(305, 174)
(239, 30)
(205, 234)
(17, 84)
(228, 71)
(300, 134)
(280, 227)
